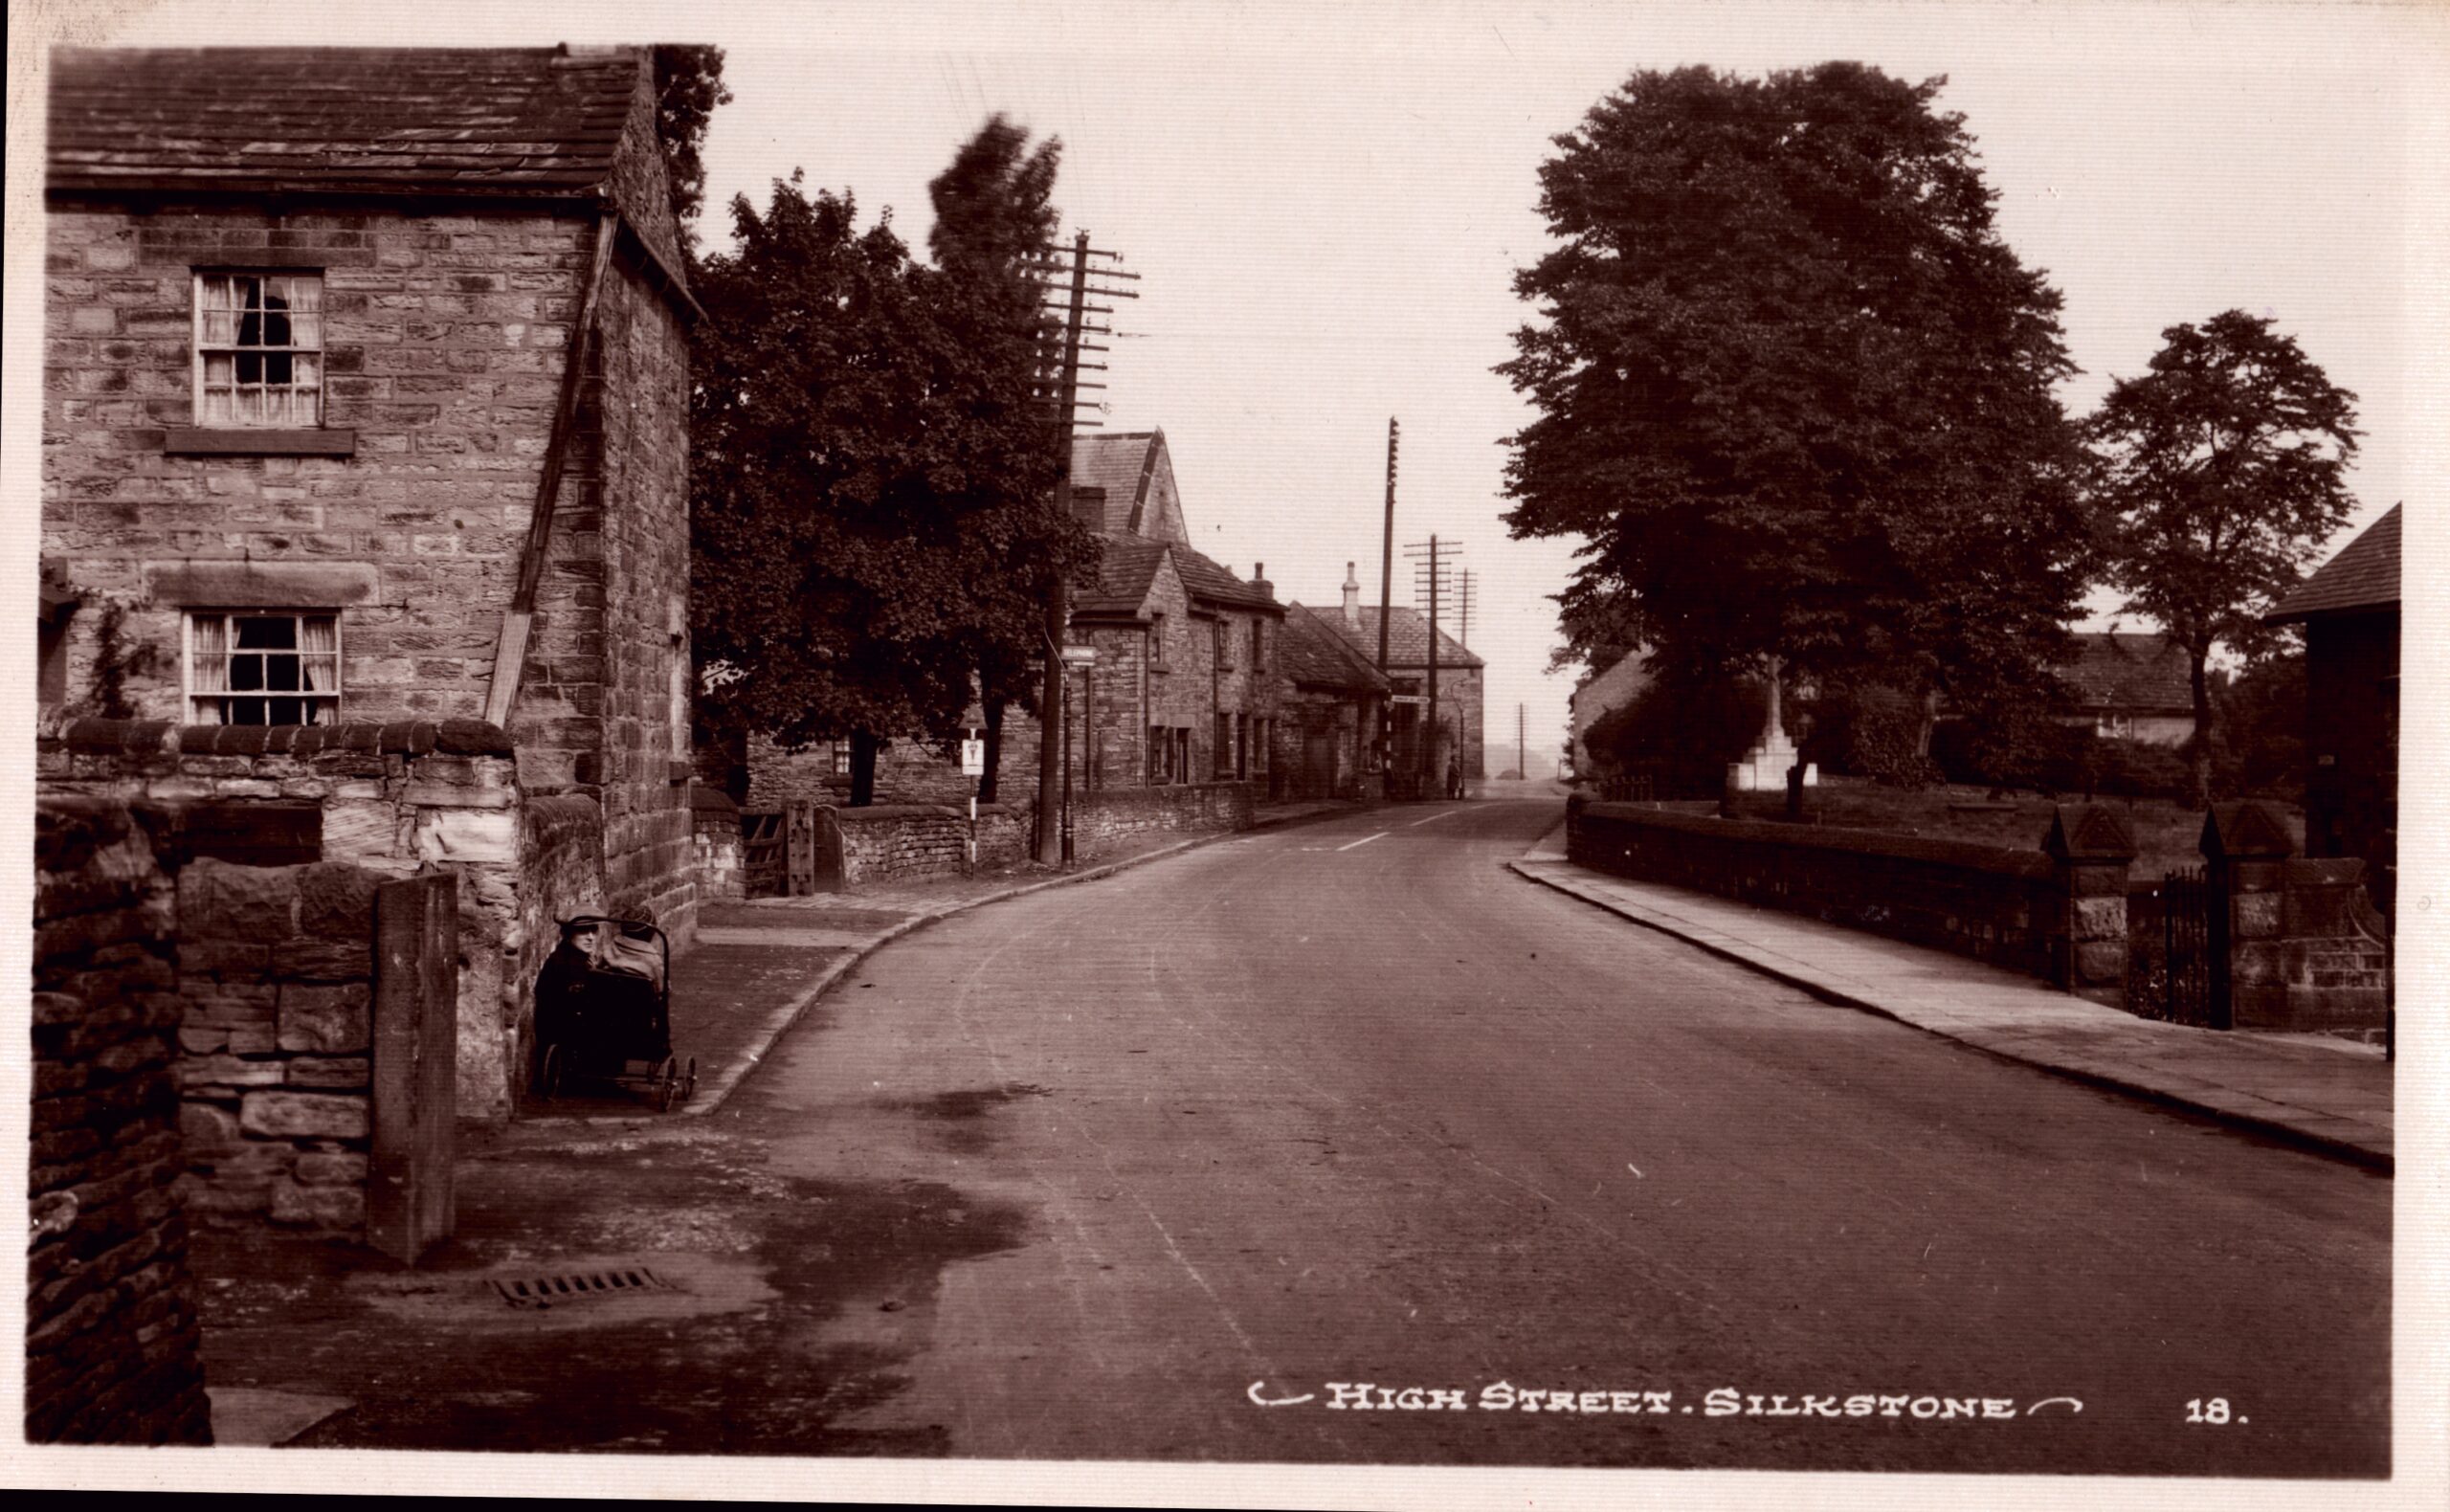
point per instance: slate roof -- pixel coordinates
(2364, 575)
(2129, 671)
(338, 118)
(1207, 580)
(1314, 655)
(1407, 638)
(1119, 463)
(1126, 569)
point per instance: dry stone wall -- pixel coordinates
(112, 1343)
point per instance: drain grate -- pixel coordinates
(573, 1287)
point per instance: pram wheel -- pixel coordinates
(689, 1079)
(548, 1077)
(667, 1084)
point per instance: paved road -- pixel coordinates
(1351, 1104)
(1069, 1176)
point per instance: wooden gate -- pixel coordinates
(761, 852)
(2194, 950)
(410, 1199)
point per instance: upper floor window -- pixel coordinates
(1258, 645)
(260, 350)
(1224, 641)
(1157, 642)
(263, 668)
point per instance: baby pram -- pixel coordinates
(604, 1012)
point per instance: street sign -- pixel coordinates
(1408, 698)
(973, 758)
(1080, 656)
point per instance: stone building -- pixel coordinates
(1184, 688)
(2131, 686)
(1461, 729)
(1329, 704)
(365, 415)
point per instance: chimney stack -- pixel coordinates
(1351, 597)
(1258, 579)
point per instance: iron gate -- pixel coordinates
(2194, 950)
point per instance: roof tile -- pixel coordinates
(2364, 575)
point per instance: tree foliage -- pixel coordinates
(1793, 392)
(2221, 472)
(688, 86)
(869, 481)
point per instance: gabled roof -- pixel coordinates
(1313, 656)
(556, 124)
(1123, 464)
(1407, 638)
(1128, 568)
(2129, 671)
(2364, 575)
(1207, 582)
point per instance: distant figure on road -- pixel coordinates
(1455, 776)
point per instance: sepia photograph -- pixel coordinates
(1230, 754)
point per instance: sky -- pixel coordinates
(1327, 205)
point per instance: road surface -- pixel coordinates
(1171, 1165)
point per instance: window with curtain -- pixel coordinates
(260, 350)
(263, 667)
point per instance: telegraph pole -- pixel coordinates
(1521, 748)
(1386, 606)
(1432, 559)
(1054, 749)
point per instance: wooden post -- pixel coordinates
(411, 1201)
(799, 848)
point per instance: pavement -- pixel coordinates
(758, 964)
(2330, 1095)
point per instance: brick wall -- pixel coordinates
(112, 1347)
(2022, 910)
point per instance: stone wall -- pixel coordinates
(112, 1344)
(2055, 914)
(560, 866)
(1315, 723)
(395, 799)
(637, 421)
(1103, 818)
(443, 338)
(888, 841)
(275, 971)
(723, 874)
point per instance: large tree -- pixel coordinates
(994, 213)
(870, 477)
(688, 86)
(2222, 471)
(1795, 395)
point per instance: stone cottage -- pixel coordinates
(364, 478)
(1330, 702)
(1184, 689)
(1460, 727)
